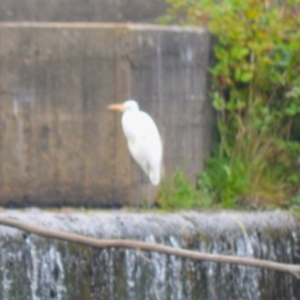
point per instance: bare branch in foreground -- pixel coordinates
(118, 243)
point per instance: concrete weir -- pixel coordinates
(37, 268)
(59, 145)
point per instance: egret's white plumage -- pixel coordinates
(143, 139)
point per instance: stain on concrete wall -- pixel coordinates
(59, 145)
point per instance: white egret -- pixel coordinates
(143, 140)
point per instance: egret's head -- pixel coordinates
(127, 105)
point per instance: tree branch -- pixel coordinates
(118, 243)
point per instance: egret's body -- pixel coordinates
(143, 139)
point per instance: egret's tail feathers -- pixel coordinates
(154, 178)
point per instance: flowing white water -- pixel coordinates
(39, 269)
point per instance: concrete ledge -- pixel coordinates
(81, 11)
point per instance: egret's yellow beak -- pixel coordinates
(117, 106)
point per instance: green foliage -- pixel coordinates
(256, 93)
(294, 204)
(177, 192)
(225, 182)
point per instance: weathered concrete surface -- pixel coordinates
(59, 145)
(37, 268)
(80, 10)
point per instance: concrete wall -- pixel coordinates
(80, 10)
(59, 145)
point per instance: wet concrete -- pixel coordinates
(59, 145)
(36, 268)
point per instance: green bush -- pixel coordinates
(177, 192)
(256, 92)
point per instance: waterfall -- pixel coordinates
(36, 268)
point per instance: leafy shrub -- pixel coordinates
(177, 192)
(256, 92)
